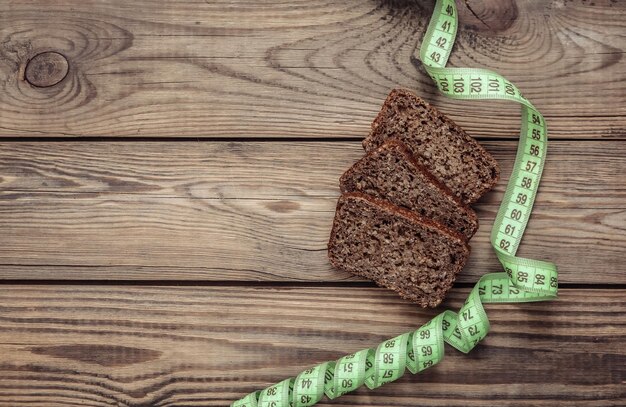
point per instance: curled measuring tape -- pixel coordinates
(524, 280)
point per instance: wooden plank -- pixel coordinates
(261, 211)
(143, 346)
(300, 69)
(578, 174)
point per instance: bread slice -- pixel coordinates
(396, 248)
(437, 143)
(390, 172)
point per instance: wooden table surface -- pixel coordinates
(168, 177)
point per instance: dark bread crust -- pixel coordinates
(422, 193)
(465, 166)
(428, 256)
(405, 213)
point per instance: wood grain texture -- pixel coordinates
(300, 69)
(262, 211)
(224, 215)
(143, 346)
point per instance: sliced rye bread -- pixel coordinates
(397, 249)
(437, 143)
(390, 172)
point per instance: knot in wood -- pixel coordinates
(46, 69)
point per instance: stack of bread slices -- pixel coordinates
(403, 219)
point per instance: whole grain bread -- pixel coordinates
(399, 250)
(390, 172)
(437, 143)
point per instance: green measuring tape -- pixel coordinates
(524, 280)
